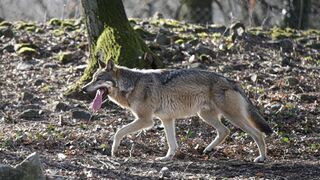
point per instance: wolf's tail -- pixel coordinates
(254, 116)
(258, 121)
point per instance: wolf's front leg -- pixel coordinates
(136, 125)
(169, 127)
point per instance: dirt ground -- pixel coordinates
(280, 73)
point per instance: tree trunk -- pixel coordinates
(110, 33)
(196, 11)
(298, 14)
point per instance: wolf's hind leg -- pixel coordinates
(169, 127)
(136, 125)
(257, 136)
(212, 117)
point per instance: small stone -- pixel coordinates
(27, 65)
(52, 65)
(28, 51)
(80, 68)
(164, 172)
(308, 98)
(9, 48)
(79, 114)
(31, 114)
(27, 96)
(292, 81)
(162, 39)
(65, 57)
(60, 106)
(39, 82)
(192, 59)
(24, 66)
(201, 49)
(275, 107)
(6, 32)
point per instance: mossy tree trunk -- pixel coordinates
(110, 33)
(196, 11)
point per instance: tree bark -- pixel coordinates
(298, 14)
(196, 11)
(110, 33)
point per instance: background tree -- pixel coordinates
(196, 11)
(110, 33)
(298, 14)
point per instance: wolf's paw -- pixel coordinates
(207, 150)
(165, 158)
(260, 159)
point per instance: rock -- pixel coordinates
(9, 48)
(27, 65)
(60, 106)
(80, 68)
(162, 39)
(292, 81)
(80, 114)
(65, 57)
(31, 167)
(6, 32)
(197, 66)
(39, 82)
(164, 172)
(28, 51)
(201, 49)
(27, 96)
(28, 169)
(24, 66)
(308, 98)
(52, 65)
(31, 114)
(192, 59)
(9, 173)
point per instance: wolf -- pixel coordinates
(171, 94)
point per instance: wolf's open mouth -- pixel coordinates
(98, 100)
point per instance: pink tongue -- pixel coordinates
(97, 102)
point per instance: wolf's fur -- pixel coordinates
(172, 94)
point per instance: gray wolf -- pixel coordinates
(172, 94)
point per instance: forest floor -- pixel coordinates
(278, 68)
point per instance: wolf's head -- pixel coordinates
(103, 78)
(103, 83)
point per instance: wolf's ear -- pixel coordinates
(101, 64)
(100, 59)
(110, 65)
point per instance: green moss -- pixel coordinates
(141, 31)
(55, 22)
(179, 41)
(258, 31)
(57, 32)
(278, 33)
(26, 26)
(128, 50)
(26, 51)
(5, 23)
(46, 88)
(64, 57)
(169, 23)
(311, 32)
